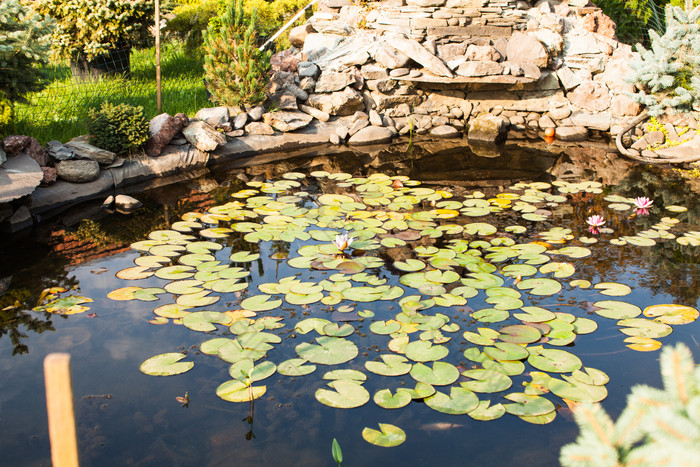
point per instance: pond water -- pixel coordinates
(126, 417)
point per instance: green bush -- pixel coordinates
(634, 18)
(23, 44)
(122, 128)
(190, 20)
(658, 426)
(94, 27)
(234, 69)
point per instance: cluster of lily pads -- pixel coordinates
(363, 229)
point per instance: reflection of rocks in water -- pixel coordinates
(486, 150)
(590, 163)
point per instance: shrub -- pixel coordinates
(658, 426)
(190, 20)
(668, 74)
(94, 27)
(24, 43)
(122, 128)
(234, 69)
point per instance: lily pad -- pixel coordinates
(425, 351)
(239, 391)
(441, 374)
(540, 286)
(460, 401)
(346, 394)
(614, 309)
(641, 327)
(260, 303)
(577, 391)
(392, 365)
(671, 313)
(384, 399)
(486, 381)
(328, 351)
(485, 412)
(389, 436)
(295, 367)
(527, 405)
(554, 361)
(204, 320)
(166, 364)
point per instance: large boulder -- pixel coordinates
(19, 176)
(341, 103)
(35, 150)
(85, 150)
(203, 136)
(316, 45)
(487, 129)
(218, 117)
(371, 135)
(591, 95)
(163, 128)
(287, 121)
(420, 54)
(479, 68)
(389, 57)
(331, 81)
(78, 171)
(58, 151)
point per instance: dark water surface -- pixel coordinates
(127, 418)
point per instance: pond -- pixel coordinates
(468, 279)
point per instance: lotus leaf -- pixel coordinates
(352, 375)
(478, 228)
(481, 280)
(540, 286)
(246, 370)
(490, 315)
(534, 314)
(538, 385)
(519, 334)
(347, 394)
(197, 299)
(459, 402)
(239, 391)
(574, 252)
(425, 351)
(204, 320)
(166, 364)
(409, 265)
(515, 270)
(184, 287)
(486, 381)
(506, 351)
(134, 273)
(584, 326)
(260, 303)
(363, 294)
(392, 365)
(448, 300)
(510, 368)
(441, 374)
(560, 270)
(486, 336)
(244, 257)
(385, 327)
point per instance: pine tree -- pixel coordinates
(24, 43)
(668, 74)
(235, 70)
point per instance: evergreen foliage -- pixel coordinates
(658, 426)
(122, 128)
(234, 69)
(668, 74)
(23, 44)
(190, 20)
(94, 27)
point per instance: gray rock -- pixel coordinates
(331, 81)
(3, 156)
(19, 176)
(287, 121)
(478, 68)
(240, 121)
(316, 45)
(214, 116)
(259, 128)
(343, 132)
(88, 151)
(389, 57)
(296, 91)
(58, 151)
(487, 129)
(571, 133)
(418, 53)
(444, 131)
(339, 28)
(371, 71)
(523, 48)
(126, 203)
(600, 121)
(78, 171)
(371, 135)
(307, 85)
(203, 136)
(315, 113)
(357, 125)
(341, 103)
(256, 113)
(307, 70)
(399, 72)
(375, 119)
(297, 35)
(235, 133)
(284, 101)
(21, 219)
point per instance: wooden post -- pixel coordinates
(59, 405)
(159, 101)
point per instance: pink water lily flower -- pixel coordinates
(343, 241)
(594, 222)
(642, 205)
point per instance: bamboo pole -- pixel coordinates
(59, 405)
(159, 102)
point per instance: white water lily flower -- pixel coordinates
(343, 241)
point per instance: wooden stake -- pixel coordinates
(159, 102)
(59, 405)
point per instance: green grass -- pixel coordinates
(60, 111)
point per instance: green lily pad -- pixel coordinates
(614, 309)
(384, 399)
(640, 327)
(515, 270)
(672, 313)
(485, 412)
(584, 326)
(246, 370)
(295, 367)
(392, 365)
(425, 351)
(539, 286)
(385, 327)
(409, 265)
(460, 401)
(239, 391)
(441, 374)
(389, 436)
(486, 381)
(613, 288)
(534, 314)
(197, 299)
(560, 270)
(485, 336)
(525, 405)
(184, 287)
(204, 320)
(554, 361)
(348, 374)
(260, 303)
(166, 364)
(346, 394)
(328, 351)
(506, 351)
(580, 283)
(577, 391)
(490, 315)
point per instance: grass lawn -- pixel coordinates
(60, 111)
